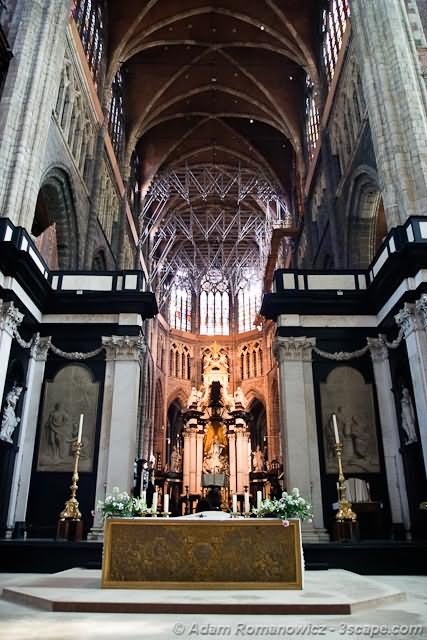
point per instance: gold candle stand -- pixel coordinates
(345, 511)
(70, 525)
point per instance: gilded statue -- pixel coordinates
(216, 432)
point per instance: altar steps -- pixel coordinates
(374, 557)
(334, 592)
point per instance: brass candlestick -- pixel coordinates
(71, 510)
(345, 511)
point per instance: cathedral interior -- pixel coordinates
(213, 238)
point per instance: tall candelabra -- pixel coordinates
(345, 511)
(71, 510)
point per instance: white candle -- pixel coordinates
(166, 503)
(143, 495)
(246, 505)
(234, 503)
(79, 434)
(336, 434)
(154, 506)
(258, 499)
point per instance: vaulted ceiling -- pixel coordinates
(217, 84)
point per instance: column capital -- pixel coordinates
(10, 317)
(40, 348)
(408, 319)
(378, 348)
(124, 348)
(293, 348)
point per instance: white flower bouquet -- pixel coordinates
(290, 505)
(121, 504)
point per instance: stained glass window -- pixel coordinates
(89, 20)
(214, 304)
(248, 301)
(116, 118)
(135, 182)
(312, 119)
(180, 305)
(333, 27)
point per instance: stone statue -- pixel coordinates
(176, 460)
(408, 416)
(9, 420)
(56, 431)
(258, 459)
(239, 398)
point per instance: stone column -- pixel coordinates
(29, 95)
(199, 460)
(242, 458)
(395, 474)
(193, 460)
(412, 320)
(10, 319)
(232, 461)
(298, 427)
(186, 460)
(396, 98)
(118, 441)
(27, 433)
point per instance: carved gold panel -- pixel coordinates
(203, 554)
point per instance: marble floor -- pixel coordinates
(402, 619)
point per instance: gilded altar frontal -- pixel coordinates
(199, 554)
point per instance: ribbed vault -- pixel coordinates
(215, 85)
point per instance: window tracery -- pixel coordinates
(180, 305)
(116, 118)
(74, 118)
(334, 24)
(180, 361)
(248, 301)
(312, 119)
(135, 183)
(214, 304)
(88, 17)
(251, 361)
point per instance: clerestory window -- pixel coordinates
(333, 27)
(89, 20)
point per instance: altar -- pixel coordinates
(202, 553)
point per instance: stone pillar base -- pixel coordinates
(310, 534)
(96, 534)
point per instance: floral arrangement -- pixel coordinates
(121, 504)
(290, 505)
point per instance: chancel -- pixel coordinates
(213, 292)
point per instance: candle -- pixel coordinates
(336, 434)
(234, 503)
(246, 505)
(143, 495)
(79, 435)
(154, 506)
(258, 499)
(166, 503)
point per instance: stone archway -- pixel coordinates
(258, 425)
(174, 429)
(159, 427)
(366, 221)
(54, 224)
